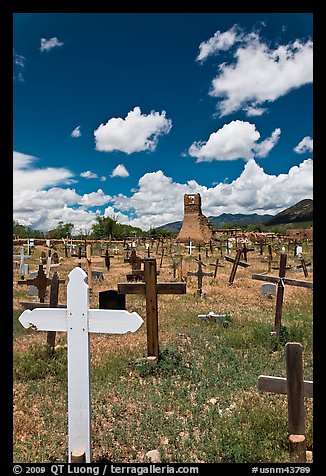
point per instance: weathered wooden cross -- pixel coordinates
(40, 281)
(54, 295)
(134, 260)
(245, 250)
(151, 289)
(217, 265)
(107, 260)
(78, 320)
(88, 260)
(236, 262)
(200, 274)
(296, 389)
(281, 280)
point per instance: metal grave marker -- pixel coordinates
(78, 320)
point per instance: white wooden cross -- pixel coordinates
(78, 321)
(191, 247)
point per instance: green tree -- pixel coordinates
(21, 231)
(61, 231)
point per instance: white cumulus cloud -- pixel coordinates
(257, 73)
(47, 45)
(137, 132)
(305, 145)
(236, 140)
(27, 177)
(120, 171)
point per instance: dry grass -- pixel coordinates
(171, 408)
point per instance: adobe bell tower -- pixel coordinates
(195, 226)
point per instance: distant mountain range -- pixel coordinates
(300, 212)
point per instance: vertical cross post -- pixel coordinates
(150, 288)
(151, 307)
(54, 295)
(280, 295)
(296, 389)
(235, 266)
(304, 267)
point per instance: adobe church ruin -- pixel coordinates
(195, 227)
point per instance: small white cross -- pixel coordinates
(190, 247)
(78, 321)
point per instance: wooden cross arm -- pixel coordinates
(279, 385)
(277, 279)
(161, 288)
(240, 263)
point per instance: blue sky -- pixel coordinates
(121, 114)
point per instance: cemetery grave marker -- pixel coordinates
(40, 282)
(200, 274)
(268, 289)
(281, 280)
(236, 262)
(107, 260)
(150, 288)
(246, 250)
(111, 299)
(54, 295)
(78, 320)
(161, 262)
(296, 389)
(43, 257)
(55, 258)
(88, 260)
(190, 248)
(23, 268)
(217, 265)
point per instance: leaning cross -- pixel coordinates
(296, 389)
(236, 262)
(78, 320)
(281, 280)
(151, 289)
(200, 273)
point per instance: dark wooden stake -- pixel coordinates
(235, 266)
(54, 296)
(280, 295)
(304, 267)
(161, 262)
